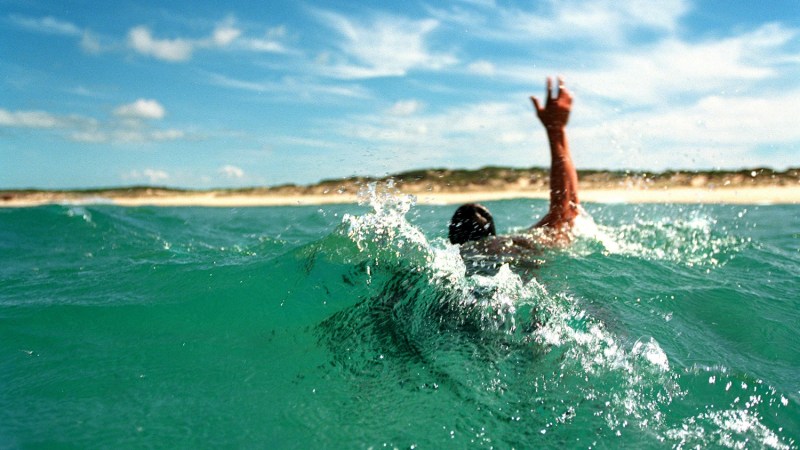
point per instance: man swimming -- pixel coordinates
(472, 226)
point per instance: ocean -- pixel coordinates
(359, 326)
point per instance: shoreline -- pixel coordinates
(753, 195)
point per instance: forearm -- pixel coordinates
(563, 177)
(563, 183)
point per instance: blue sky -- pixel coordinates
(201, 94)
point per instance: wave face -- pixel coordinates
(360, 326)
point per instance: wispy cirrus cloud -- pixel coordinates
(667, 71)
(297, 88)
(269, 42)
(88, 41)
(674, 68)
(711, 131)
(603, 21)
(462, 133)
(651, 77)
(48, 25)
(381, 46)
(622, 66)
(670, 74)
(125, 135)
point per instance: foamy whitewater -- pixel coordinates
(360, 326)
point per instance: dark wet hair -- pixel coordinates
(471, 222)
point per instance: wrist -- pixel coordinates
(557, 136)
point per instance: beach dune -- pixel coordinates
(441, 186)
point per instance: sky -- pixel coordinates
(207, 94)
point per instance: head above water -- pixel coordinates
(471, 222)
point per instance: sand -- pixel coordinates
(756, 195)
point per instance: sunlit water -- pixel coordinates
(357, 326)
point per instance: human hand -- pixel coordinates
(555, 113)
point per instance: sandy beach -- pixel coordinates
(760, 195)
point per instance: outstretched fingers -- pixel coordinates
(554, 110)
(536, 104)
(562, 90)
(547, 98)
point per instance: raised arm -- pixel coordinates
(563, 177)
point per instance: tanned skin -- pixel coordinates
(556, 225)
(554, 115)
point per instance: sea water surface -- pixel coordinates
(357, 326)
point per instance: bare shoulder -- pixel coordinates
(507, 245)
(522, 253)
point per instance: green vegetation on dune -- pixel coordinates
(490, 178)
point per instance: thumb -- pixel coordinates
(536, 104)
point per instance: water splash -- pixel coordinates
(506, 343)
(384, 232)
(79, 211)
(692, 241)
(419, 301)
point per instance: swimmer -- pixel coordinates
(472, 226)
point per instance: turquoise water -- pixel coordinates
(355, 326)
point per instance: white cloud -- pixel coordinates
(230, 171)
(385, 46)
(263, 45)
(296, 89)
(49, 25)
(29, 119)
(482, 68)
(141, 109)
(405, 107)
(601, 21)
(465, 134)
(483, 3)
(726, 131)
(84, 91)
(715, 131)
(167, 135)
(90, 43)
(124, 135)
(666, 71)
(658, 73)
(225, 33)
(172, 50)
(141, 39)
(89, 137)
(153, 176)
(130, 128)
(726, 121)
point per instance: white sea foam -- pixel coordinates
(690, 241)
(731, 428)
(79, 211)
(385, 231)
